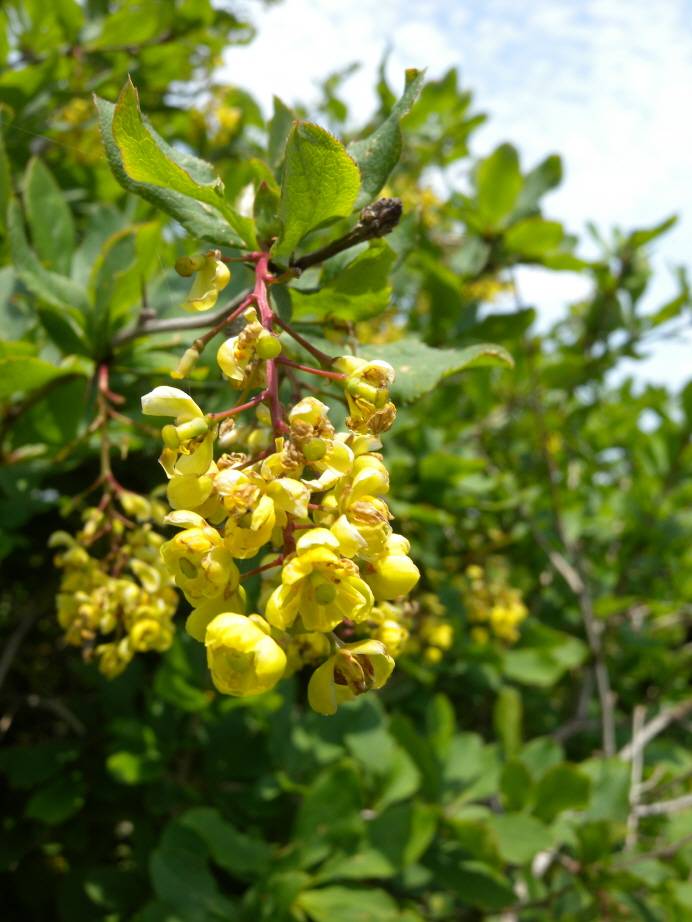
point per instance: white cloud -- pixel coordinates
(604, 82)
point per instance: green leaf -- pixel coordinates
(5, 179)
(360, 291)
(331, 808)
(181, 877)
(49, 216)
(541, 179)
(519, 836)
(545, 655)
(133, 767)
(610, 781)
(56, 290)
(534, 237)
(321, 181)
(144, 158)
(498, 185)
(279, 128)
(562, 787)
(343, 904)
(379, 153)
(265, 211)
(403, 832)
(478, 884)
(507, 719)
(240, 854)
(198, 218)
(20, 374)
(367, 863)
(516, 785)
(419, 368)
(58, 801)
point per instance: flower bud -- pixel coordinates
(314, 449)
(188, 265)
(186, 364)
(268, 346)
(192, 429)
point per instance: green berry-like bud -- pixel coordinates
(314, 449)
(188, 265)
(170, 437)
(268, 346)
(325, 594)
(192, 429)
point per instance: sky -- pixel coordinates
(605, 83)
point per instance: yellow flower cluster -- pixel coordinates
(315, 496)
(416, 628)
(494, 608)
(122, 602)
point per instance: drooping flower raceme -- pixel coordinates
(306, 501)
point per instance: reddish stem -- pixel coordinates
(224, 414)
(316, 353)
(262, 277)
(104, 388)
(332, 375)
(267, 566)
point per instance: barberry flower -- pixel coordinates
(242, 656)
(319, 585)
(352, 670)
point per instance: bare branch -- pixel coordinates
(172, 324)
(665, 806)
(656, 726)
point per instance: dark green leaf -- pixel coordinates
(379, 153)
(360, 291)
(563, 787)
(419, 368)
(49, 216)
(320, 182)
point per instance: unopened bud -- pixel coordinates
(186, 364)
(359, 388)
(314, 449)
(188, 265)
(268, 346)
(192, 429)
(263, 414)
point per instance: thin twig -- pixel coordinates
(171, 324)
(376, 220)
(636, 769)
(656, 726)
(665, 806)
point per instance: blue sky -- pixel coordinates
(606, 83)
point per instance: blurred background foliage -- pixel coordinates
(539, 779)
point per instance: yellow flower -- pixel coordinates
(201, 565)
(395, 573)
(242, 657)
(255, 506)
(367, 393)
(236, 354)
(355, 668)
(199, 618)
(188, 444)
(364, 528)
(319, 585)
(211, 277)
(393, 635)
